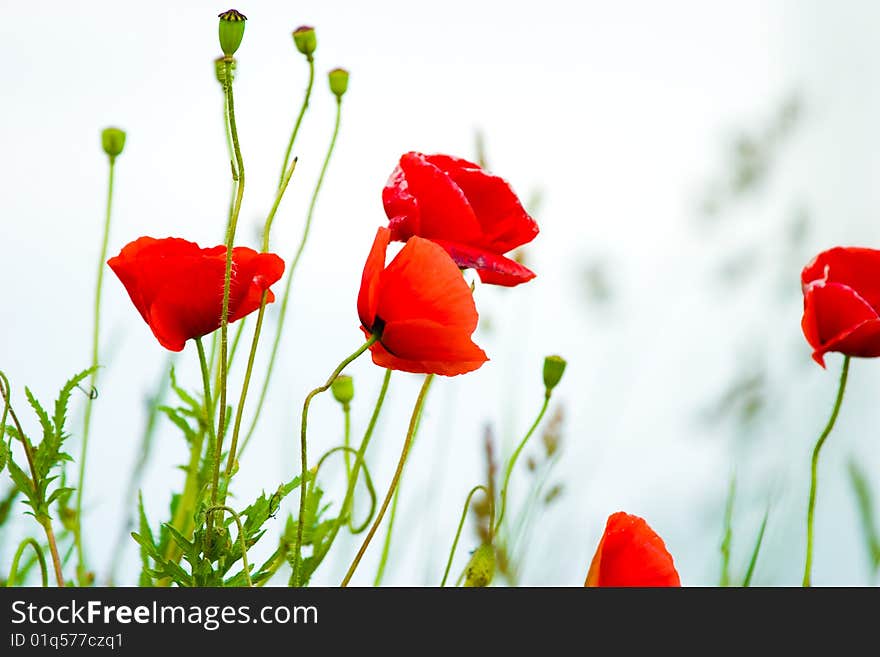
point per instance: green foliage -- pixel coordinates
(318, 532)
(48, 456)
(210, 560)
(754, 560)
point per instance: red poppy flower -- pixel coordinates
(420, 307)
(842, 303)
(631, 554)
(178, 287)
(472, 214)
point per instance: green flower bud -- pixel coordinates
(342, 389)
(220, 69)
(554, 366)
(231, 31)
(113, 141)
(305, 40)
(338, 82)
(481, 568)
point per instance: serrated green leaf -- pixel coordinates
(59, 419)
(57, 493)
(183, 543)
(22, 482)
(184, 396)
(174, 415)
(146, 534)
(4, 450)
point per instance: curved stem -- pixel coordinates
(13, 571)
(394, 481)
(346, 438)
(80, 556)
(346, 515)
(368, 480)
(811, 506)
(227, 276)
(299, 118)
(237, 518)
(303, 455)
(239, 411)
(515, 456)
(282, 313)
(467, 504)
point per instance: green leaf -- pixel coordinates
(59, 419)
(174, 414)
(188, 547)
(184, 396)
(754, 560)
(147, 535)
(4, 450)
(22, 482)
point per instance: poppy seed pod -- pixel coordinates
(343, 389)
(554, 367)
(305, 40)
(481, 568)
(231, 31)
(338, 78)
(113, 141)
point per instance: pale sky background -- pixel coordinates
(620, 113)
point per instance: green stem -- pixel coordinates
(303, 455)
(45, 521)
(346, 439)
(515, 456)
(394, 481)
(368, 480)
(386, 545)
(227, 277)
(183, 513)
(811, 506)
(80, 556)
(299, 118)
(282, 313)
(346, 515)
(13, 571)
(467, 504)
(241, 539)
(239, 411)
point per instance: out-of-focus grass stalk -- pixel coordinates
(291, 270)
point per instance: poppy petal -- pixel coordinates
(493, 268)
(832, 312)
(423, 283)
(422, 346)
(504, 223)
(630, 553)
(855, 267)
(443, 209)
(370, 279)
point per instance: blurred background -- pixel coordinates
(684, 160)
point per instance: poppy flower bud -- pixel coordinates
(220, 69)
(554, 366)
(305, 40)
(231, 31)
(113, 141)
(481, 568)
(343, 389)
(338, 82)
